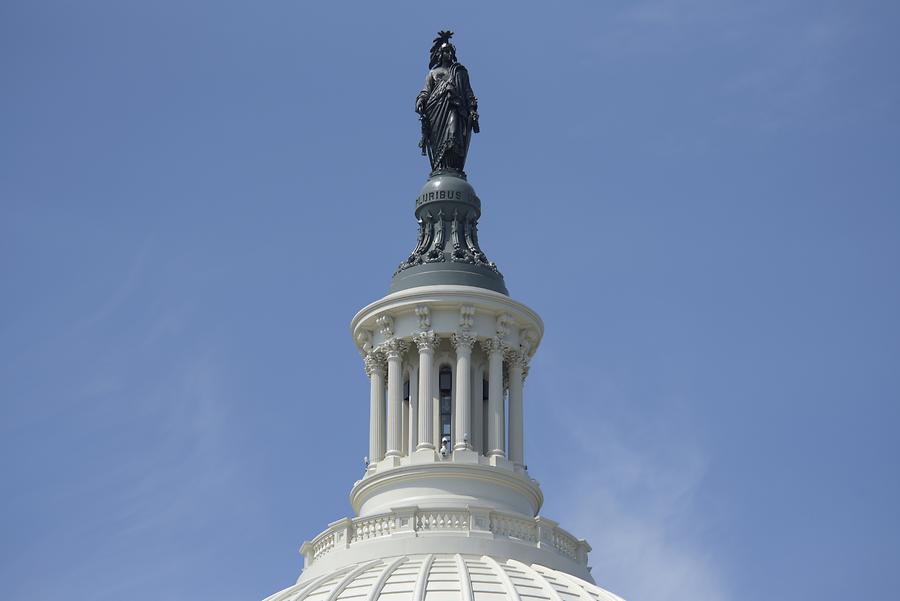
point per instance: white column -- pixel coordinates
(393, 350)
(413, 410)
(516, 363)
(404, 426)
(496, 425)
(477, 409)
(375, 370)
(463, 343)
(425, 341)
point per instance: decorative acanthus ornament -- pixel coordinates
(503, 323)
(394, 348)
(375, 363)
(424, 315)
(466, 317)
(386, 323)
(527, 340)
(463, 341)
(364, 340)
(461, 227)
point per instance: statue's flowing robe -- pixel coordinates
(448, 103)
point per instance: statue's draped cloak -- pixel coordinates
(448, 103)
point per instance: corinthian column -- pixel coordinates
(463, 344)
(393, 350)
(375, 370)
(425, 342)
(516, 362)
(496, 444)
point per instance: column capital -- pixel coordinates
(515, 358)
(492, 345)
(374, 363)
(394, 347)
(425, 341)
(463, 341)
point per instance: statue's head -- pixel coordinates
(442, 51)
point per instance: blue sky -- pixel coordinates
(701, 199)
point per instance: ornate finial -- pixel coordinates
(447, 107)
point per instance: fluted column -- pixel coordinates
(496, 442)
(425, 342)
(413, 410)
(393, 350)
(516, 362)
(375, 370)
(477, 439)
(463, 343)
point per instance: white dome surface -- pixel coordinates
(444, 577)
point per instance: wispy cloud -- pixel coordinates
(633, 493)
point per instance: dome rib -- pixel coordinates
(593, 592)
(465, 582)
(340, 586)
(444, 576)
(503, 576)
(302, 589)
(537, 577)
(383, 577)
(571, 583)
(422, 578)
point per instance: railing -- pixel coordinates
(412, 521)
(323, 544)
(442, 520)
(374, 527)
(514, 527)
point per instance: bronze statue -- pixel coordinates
(447, 108)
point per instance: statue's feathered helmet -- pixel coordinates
(441, 42)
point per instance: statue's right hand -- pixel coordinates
(420, 105)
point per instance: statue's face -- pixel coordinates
(446, 57)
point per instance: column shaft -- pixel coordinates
(425, 342)
(478, 411)
(496, 443)
(375, 370)
(516, 410)
(393, 350)
(463, 414)
(413, 410)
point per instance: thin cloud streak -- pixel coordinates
(633, 494)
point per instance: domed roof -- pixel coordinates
(444, 577)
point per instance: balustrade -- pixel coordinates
(534, 531)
